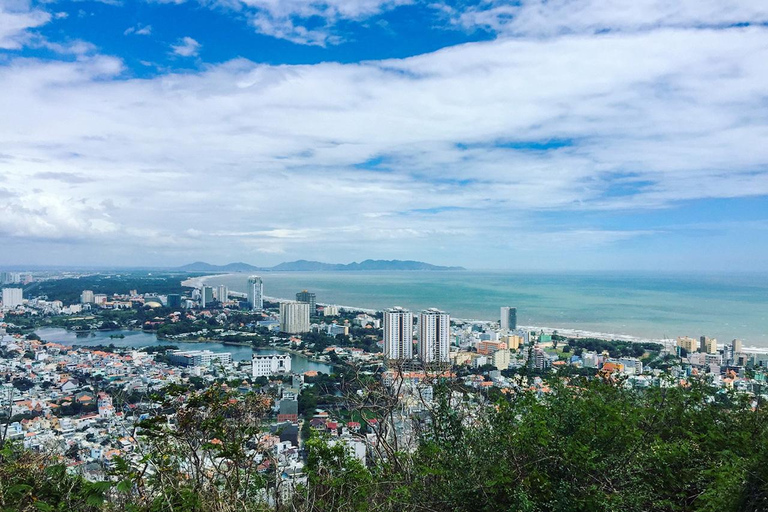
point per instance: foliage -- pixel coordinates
(586, 445)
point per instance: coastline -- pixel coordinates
(198, 282)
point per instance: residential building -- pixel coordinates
(501, 359)
(514, 341)
(487, 348)
(86, 297)
(198, 357)
(398, 333)
(434, 336)
(256, 293)
(508, 318)
(294, 317)
(331, 311)
(336, 329)
(309, 298)
(270, 364)
(12, 297)
(222, 293)
(687, 343)
(206, 296)
(707, 345)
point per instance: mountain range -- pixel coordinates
(306, 265)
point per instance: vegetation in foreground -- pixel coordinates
(585, 446)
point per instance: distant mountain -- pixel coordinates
(363, 265)
(305, 265)
(201, 266)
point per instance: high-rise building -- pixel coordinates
(708, 345)
(256, 293)
(398, 334)
(222, 293)
(12, 297)
(174, 300)
(206, 296)
(434, 336)
(508, 318)
(309, 298)
(689, 344)
(294, 317)
(86, 297)
(736, 346)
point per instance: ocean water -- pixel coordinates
(651, 306)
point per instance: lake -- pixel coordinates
(138, 339)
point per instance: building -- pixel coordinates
(256, 293)
(309, 298)
(514, 341)
(434, 336)
(331, 311)
(86, 297)
(398, 333)
(736, 346)
(501, 359)
(270, 364)
(336, 329)
(294, 317)
(508, 318)
(174, 300)
(222, 293)
(707, 345)
(689, 344)
(488, 347)
(206, 296)
(12, 297)
(198, 357)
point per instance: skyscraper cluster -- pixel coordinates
(433, 335)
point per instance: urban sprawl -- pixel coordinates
(85, 402)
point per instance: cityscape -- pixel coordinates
(86, 402)
(383, 256)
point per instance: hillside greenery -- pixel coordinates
(587, 445)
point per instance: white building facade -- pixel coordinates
(434, 336)
(256, 293)
(12, 297)
(266, 365)
(398, 334)
(294, 317)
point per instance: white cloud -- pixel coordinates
(311, 22)
(139, 30)
(186, 47)
(393, 158)
(556, 17)
(16, 18)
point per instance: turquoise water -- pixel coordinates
(642, 305)
(138, 339)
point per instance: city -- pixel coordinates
(87, 403)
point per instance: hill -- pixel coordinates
(315, 266)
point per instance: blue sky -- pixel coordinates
(554, 135)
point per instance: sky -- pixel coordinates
(527, 135)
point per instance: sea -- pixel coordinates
(643, 306)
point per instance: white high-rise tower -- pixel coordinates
(398, 334)
(434, 336)
(256, 293)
